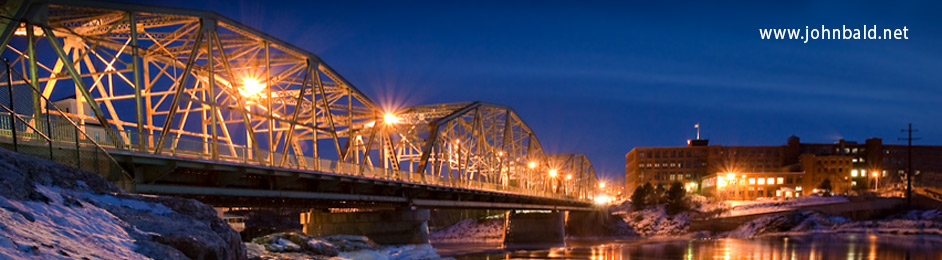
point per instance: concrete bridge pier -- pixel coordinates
(534, 230)
(387, 227)
(592, 223)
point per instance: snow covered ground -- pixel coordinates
(51, 211)
(913, 222)
(293, 245)
(768, 205)
(489, 230)
(53, 229)
(655, 222)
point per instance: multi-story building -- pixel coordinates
(831, 168)
(848, 165)
(665, 165)
(750, 185)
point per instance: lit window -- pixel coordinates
(770, 181)
(761, 181)
(781, 180)
(752, 181)
(853, 173)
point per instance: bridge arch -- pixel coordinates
(175, 83)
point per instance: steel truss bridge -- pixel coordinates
(192, 103)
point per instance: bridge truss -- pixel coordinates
(186, 83)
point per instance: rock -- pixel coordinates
(162, 227)
(347, 243)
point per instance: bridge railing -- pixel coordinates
(57, 136)
(32, 124)
(84, 146)
(232, 153)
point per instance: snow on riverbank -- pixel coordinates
(293, 245)
(471, 231)
(913, 222)
(768, 205)
(51, 211)
(655, 222)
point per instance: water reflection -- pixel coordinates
(814, 247)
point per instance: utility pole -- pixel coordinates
(909, 164)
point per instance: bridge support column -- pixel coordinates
(534, 230)
(588, 223)
(388, 227)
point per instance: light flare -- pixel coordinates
(251, 87)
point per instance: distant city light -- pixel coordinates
(602, 199)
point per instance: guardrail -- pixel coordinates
(200, 149)
(29, 124)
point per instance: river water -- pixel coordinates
(812, 247)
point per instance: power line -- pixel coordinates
(909, 164)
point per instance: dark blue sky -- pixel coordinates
(601, 77)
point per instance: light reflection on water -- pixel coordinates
(809, 247)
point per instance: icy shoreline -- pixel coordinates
(296, 245)
(52, 211)
(654, 223)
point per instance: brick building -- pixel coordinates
(848, 165)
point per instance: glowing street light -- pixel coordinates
(876, 182)
(531, 165)
(390, 118)
(552, 173)
(251, 87)
(568, 176)
(602, 185)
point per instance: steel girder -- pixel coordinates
(470, 141)
(203, 85)
(176, 81)
(576, 175)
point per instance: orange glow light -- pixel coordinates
(251, 87)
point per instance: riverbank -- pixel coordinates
(52, 211)
(654, 222)
(296, 245)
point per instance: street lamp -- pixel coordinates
(552, 182)
(390, 118)
(876, 180)
(251, 87)
(532, 164)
